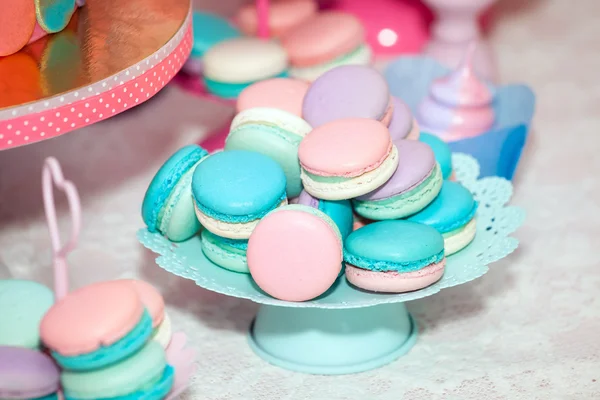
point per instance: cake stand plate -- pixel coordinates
(316, 336)
(114, 55)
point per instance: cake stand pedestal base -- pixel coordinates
(332, 341)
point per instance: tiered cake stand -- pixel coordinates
(347, 330)
(114, 55)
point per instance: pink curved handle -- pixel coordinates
(52, 176)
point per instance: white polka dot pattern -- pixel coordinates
(73, 110)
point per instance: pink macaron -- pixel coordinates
(347, 158)
(328, 40)
(281, 93)
(295, 253)
(284, 15)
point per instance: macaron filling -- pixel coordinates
(391, 266)
(227, 253)
(106, 355)
(228, 90)
(404, 203)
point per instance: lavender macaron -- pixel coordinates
(350, 91)
(415, 184)
(27, 374)
(403, 125)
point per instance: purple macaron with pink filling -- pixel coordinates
(27, 374)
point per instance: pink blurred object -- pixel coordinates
(457, 25)
(52, 176)
(183, 359)
(262, 9)
(393, 26)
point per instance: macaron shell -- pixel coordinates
(26, 374)
(17, 21)
(282, 93)
(395, 241)
(361, 145)
(402, 120)
(179, 221)
(442, 152)
(294, 255)
(416, 164)
(22, 305)
(238, 183)
(54, 15)
(93, 316)
(121, 379)
(283, 16)
(219, 254)
(395, 282)
(453, 208)
(209, 30)
(243, 60)
(349, 91)
(324, 37)
(151, 299)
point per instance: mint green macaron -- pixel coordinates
(22, 305)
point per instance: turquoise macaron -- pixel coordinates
(145, 375)
(22, 306)
(209, 29)
(234, 189)
(394, 256)
(340, 211)
(226, 253)
(168, 207)
(441, 151)
(452, 214)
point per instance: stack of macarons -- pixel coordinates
(315, 176)
(303, 43)
(101, 336)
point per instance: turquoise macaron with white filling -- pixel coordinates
(394, 256)
(274, 133)
(144, 375)
(23, 304)
(234, 64)
(226, 253)
(441, 151)
(234, 189)
(452, 213)
(168, 206)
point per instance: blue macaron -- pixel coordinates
(452, 214)
(234, 189)
(209, 30)
(394, 256)
(441, 151)
(168, 207)
(226, 253)
(339, 211)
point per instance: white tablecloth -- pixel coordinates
(526, 330)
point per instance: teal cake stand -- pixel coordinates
(347, 330)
